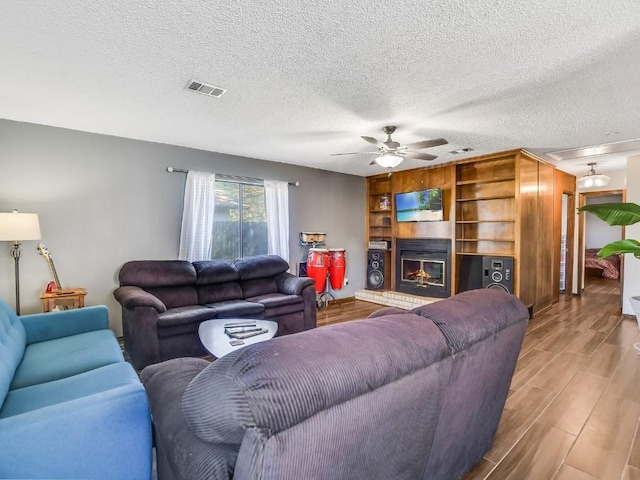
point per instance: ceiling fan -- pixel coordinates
(391, 153)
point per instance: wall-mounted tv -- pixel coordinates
(420, 206)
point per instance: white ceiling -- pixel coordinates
(307, 79)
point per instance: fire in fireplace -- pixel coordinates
(423, 267)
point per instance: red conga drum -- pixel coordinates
(337, 267)
(318, 266)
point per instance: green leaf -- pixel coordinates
(615, 213)
(621, 246)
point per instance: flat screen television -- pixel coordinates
(420, 206)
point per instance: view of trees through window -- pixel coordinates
(240, 221)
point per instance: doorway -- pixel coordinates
(593, 235)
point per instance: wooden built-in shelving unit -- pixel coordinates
(486, 207)
(495, 205)
(380, 220)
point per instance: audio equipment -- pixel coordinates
(470, 277)
(379, 245)
(378, 270)
(497, 272)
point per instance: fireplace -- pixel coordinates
(423, 267)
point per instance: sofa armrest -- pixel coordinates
(82, 438)
(131, 297)
(47, 326)
(290, 284)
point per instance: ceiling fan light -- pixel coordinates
(592, 179)
(389, 160)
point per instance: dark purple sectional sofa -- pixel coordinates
(400, 395)
(164, 302)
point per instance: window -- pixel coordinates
(240, 221)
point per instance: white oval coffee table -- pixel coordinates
(214, 339)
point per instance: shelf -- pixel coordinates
(494, 254)
(479, 199)
(485, 221)
(313, 244)
(485, 240)
(486, 180)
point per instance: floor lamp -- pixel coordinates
(16, 227)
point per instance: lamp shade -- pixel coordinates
(19, 226)
(592, 179)
(389, 160)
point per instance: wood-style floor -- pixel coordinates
(574, 404)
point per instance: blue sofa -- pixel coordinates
(70, 406)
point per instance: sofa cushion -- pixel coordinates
(219, 292)
(190, 456)
(70, 388)
(279, 383)
(172, 281)
(173, 297)
(157, 273)
(183, 315)
(276, 304)
(66, 356)
(215, 271)
(13, 340)
(260, 266)
(472, 316)
(258, 286)
(237, 308)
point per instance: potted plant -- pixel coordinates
(619, 214)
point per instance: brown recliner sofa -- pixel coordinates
(164, 301)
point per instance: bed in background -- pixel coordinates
(609, 266)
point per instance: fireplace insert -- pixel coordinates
(423, 267)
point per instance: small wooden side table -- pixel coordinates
(67, 297)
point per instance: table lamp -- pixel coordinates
(16, 227)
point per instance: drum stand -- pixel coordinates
(322, 299)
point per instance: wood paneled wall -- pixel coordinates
(419, 179)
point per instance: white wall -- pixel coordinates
(631, 281)
(598, 232)
(105, 200)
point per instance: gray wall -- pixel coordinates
(106, 200)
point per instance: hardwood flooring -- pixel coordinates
(574, 403)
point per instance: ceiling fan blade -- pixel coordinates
(435, 142)
(417, 155)
(354, 153)
(377, 143)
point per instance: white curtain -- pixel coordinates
(277, 206)
(196, 234)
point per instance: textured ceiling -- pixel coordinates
(306, 79)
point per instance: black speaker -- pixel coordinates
(497, 272)
(378, 263)
(470, 277)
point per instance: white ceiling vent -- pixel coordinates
(205, 89)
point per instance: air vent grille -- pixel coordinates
(205, 89)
